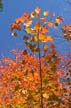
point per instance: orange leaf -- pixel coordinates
(59, 19)
(43, 38)
(20, 20)
(42, 19)
(14, 26)
(37, 26)
(45, 47)
(38, 10)
(26, 16)
(48, 38)
(44, 30)
(50, 23)
(52, 46)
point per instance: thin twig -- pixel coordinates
(41, 94)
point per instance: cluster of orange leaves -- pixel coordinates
(27, 20)
(20, 80)
(67, 31)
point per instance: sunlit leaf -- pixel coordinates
(33, 14)
(59, 19)
(37, 26)
(46, 13)
(34, 38)
(38, 10)
(28, 30)
(28, 23)
(42, 19)
(48, 38)
(45, 95)
(45, 47)
(20, 20)
(50, 23)
(44, 30)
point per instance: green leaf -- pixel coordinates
(53, 97)
(45, 81)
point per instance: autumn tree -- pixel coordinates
(36, 33)
(38, 28)
(34, 78)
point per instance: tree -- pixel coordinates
(37, 33)
(34, 78)
(1, 5)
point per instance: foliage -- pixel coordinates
(37, 30)
(20, 81)
(1, 5)
(31, 81)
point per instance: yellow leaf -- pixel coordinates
(45, 95)
(38, 10)
(28, 23)
(46, 13)
(32, 14)
(34, 38)
(28, 30)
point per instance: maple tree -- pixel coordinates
(36, 33)
(20, 81)
(34, 78)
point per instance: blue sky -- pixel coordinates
(15, 8)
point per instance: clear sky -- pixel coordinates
(15, 8)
